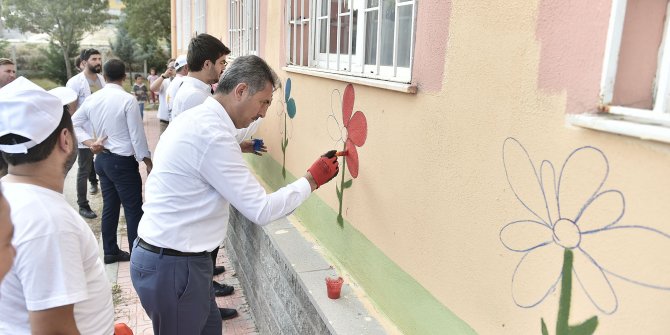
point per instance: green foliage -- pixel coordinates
(64, 21)
(134, 53)
(148, 21)
(54, 65)
(4, 46)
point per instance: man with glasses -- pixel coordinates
(160, 86)
(86, 83)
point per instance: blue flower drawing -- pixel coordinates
(574, 212)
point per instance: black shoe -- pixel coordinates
(219, 270)
(122, 256)
(93, 189)
(222, 290)
(87, 212)
(227, 313)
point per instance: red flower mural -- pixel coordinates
(357, 132)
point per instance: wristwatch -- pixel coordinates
(163, 76)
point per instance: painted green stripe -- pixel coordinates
(408, 304)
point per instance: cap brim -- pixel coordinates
(65, 94)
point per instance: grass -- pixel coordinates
(44, 83)
(116, 294)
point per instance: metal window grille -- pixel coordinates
(365, 38)
(200, 23)
(243, 32)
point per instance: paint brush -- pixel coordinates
(341, 153)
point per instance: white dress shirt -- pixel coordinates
(114, 113)
(79, 83)
(172, 89)
(198, 172)
(191, 93)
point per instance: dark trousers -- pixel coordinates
(86, 171)
(176, 292)
(121, 184)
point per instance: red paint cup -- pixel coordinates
(334, 287)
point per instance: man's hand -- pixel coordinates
(325, 168)
(149, 163)
(96, 146)
(247, 146)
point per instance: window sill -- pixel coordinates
(383, 84)
(622, 125)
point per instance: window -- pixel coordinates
(184, 24)
(364, 38)
(199, 23)
(243, 32)
(636, 73)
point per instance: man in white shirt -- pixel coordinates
(181, 69)
(85, 83)
(160, 86)
(120, 144)
(199, 172)
(58, 283)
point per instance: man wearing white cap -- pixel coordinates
(58, 282)
(181, 70)
(115, 117)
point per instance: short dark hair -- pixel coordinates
(41, 151)
(87, 53)
(114, 69)
(138, 75)
(6, 61)
(251, 70)
(202, 48)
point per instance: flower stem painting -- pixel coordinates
(575, 231)
(290, 113)
(353, 134)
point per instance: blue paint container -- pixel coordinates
(258, 144)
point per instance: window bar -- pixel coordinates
(328, 14)
(612, 47)
(311, 33)
(295, 32)
(351, 32)
(302, 33)
(380, 12)
(339, 11)
(662, 91)
(411, 45)
(396, 25)
(258, 28)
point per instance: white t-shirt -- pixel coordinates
(57, 264)
(163, 112)
(172, 89)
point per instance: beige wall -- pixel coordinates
(432, 191)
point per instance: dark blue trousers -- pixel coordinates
(176, 292)
(121, 184)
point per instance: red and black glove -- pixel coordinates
(325, 168)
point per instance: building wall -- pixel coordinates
(444, 171)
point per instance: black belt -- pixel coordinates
(170, 252)
(106, 151)
(163, 121)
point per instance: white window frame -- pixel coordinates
(244, 27)
(652, 124)
(183, 24)
(200, 16)
(339, 65)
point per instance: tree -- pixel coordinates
(53, 66)
(148, 20)
(64, 21)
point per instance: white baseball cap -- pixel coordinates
(180, 62)
(29, 111)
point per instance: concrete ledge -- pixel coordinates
(283, 276)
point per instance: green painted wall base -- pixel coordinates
(408, 304)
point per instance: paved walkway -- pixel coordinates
(127, 307)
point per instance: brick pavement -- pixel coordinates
(128, 308)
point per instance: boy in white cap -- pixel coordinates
(58, 282)
(181, 70)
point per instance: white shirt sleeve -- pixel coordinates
(249, 131)
(224, 168)
(138, 137)
(55, 278)
(79, 118)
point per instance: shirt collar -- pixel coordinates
(199, 84)
(214, 105)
